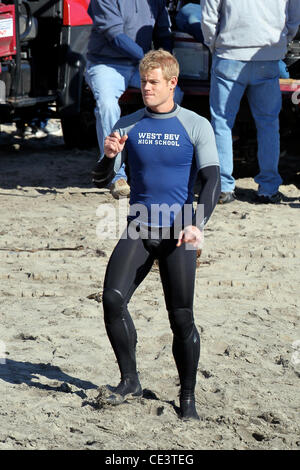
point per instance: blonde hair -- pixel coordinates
(160, 58)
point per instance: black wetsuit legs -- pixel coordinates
(127, 267)
(129, 264)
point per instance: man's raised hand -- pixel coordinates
(114, 144)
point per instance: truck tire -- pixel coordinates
(79, 131)
(79, 127)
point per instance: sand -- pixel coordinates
(54, 352)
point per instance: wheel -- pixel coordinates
(79, 130)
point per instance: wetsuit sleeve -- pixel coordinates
(103, 172)
(209, 192)
(107, 168)
(202, 136)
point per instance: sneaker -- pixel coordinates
(53, 127)
(274, 199)
(120, 188)
(38, 132)
(226, 197)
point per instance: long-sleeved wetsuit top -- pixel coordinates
(123, 31)
(164, 153)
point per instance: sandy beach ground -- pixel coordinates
(54, 352)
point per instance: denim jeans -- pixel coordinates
(230, 79)
(283, 70)
(108, 82)
(188, 20)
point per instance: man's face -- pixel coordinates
(157, 92)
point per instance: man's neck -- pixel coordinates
(170, 110)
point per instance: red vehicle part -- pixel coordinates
(75, 13)
(289, 85)
(7, 30)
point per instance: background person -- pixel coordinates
(165, 147)
(248, 38)
(188, 19)
(122, 33)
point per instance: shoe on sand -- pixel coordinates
(188, 406)
(274, 199)
(226, 197)
(126, 390)
(120, 188)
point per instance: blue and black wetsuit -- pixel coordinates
(164, 154)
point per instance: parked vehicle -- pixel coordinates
(42, 60)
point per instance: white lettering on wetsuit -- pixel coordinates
(156, 138)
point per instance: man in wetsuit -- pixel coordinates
(165, 147)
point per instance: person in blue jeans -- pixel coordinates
(248, 39)
(122, 33)
(188, 19)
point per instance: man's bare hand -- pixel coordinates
(114, 144)
(191, 235)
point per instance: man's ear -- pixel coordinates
(173, 82)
